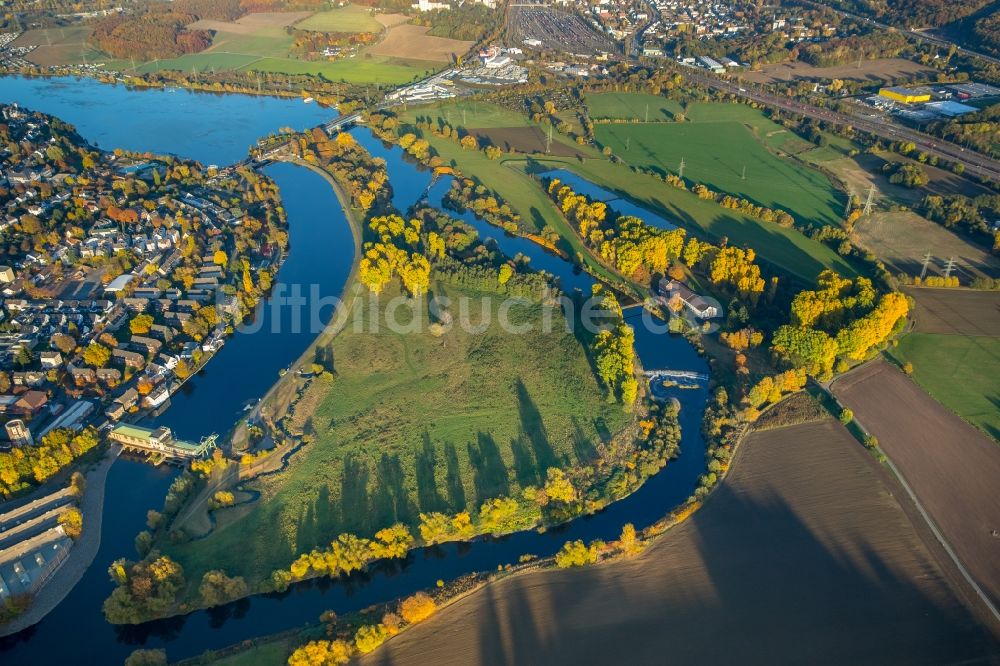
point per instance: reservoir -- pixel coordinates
(218, 129)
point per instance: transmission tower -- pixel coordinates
(647, 113)
(680, 171)
(628, 143)
(548, 140)
(743, 176)
(847, 206)
(870, 201)
(949, 267)
(927, 261)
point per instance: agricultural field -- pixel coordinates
(951, 466)
(831, 569)
(795, 253)
(955, 352)
(58, 46)
(411, 42)
(723, 151)
(352, 18)
(456, 419)
(882, 69)
(902, 238)
(860, 172)
(259, 42)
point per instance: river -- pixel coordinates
(217, 129)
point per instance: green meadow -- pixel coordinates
(733, 149)
(959, 371)
(415, 423)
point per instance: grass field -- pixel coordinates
(902, 238)
(786, 248)
(351, 18)
(360, 69)
(728, 148)
(962, 372)
(414, 423)
(631, 106)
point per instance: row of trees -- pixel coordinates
(411, 610)
(348, 553)
(633, 247)
(26, 466)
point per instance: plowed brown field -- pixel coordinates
(953, 469)
(802, 556)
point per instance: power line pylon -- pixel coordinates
(870, 201)
(949, 267)
(927, 261)
(680, 171)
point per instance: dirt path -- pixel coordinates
(81, 556)
(804, 555)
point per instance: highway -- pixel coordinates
(975, 163)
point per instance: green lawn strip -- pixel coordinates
(351, 18)
(359, 69)
(960, 372)
(198, 62)
(414, 423)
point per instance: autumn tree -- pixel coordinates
(96, 355)
(417, 608)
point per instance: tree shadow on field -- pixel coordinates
(428, 497)
(533, 428)
(525, 470)
(583, 447)
(315, 525)
(390, 501)
(354, 494)
(489, 472)
(453, 479)
(812, 585)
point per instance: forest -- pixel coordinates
(469, 21)
(149, 35)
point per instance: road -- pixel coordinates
(975, 163)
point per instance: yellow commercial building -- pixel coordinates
(905, 95)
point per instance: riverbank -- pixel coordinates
(81, 555)
(339, 317)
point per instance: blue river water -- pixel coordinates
(217, 129)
